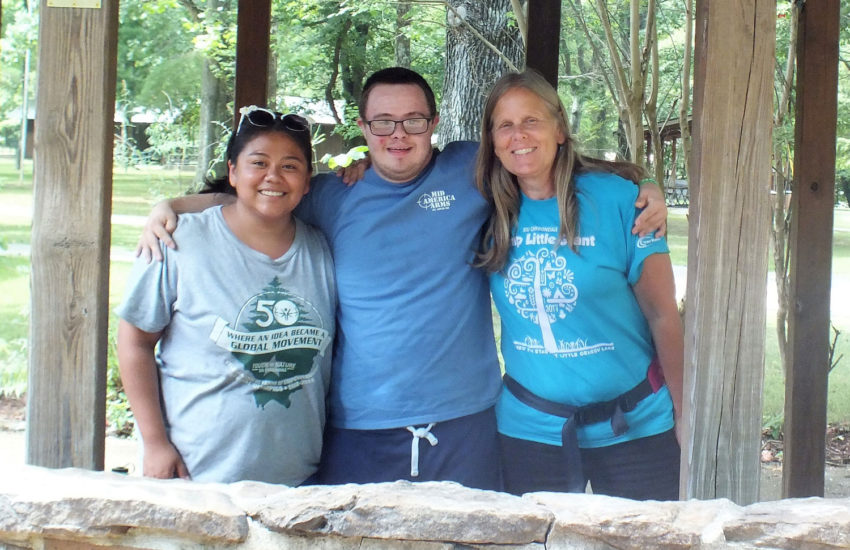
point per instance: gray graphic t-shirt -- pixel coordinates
(245, 354)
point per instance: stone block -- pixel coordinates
(794, 523)
(596, 522)
(70, 503)
(432, 511)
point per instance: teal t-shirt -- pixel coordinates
(572, 329)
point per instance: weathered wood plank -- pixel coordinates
(811, 249)
(252, 54)
(727, 253)
(70, 239)
(544, 28)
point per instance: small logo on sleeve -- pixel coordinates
(647, 240)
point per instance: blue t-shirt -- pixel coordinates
(572, 329)
(414, 326)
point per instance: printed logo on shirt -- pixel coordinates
(535, 239)
(648, 240)
(540, 287)
(276, 337)
(435, 201)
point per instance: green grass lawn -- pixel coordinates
(135, 191)
(838, 406)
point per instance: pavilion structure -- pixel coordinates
(728, 231)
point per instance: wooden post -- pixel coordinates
(727, 252)
(811, 249)
(253, 25)
(544, 29)
(72, 196)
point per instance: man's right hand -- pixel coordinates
(161, 223)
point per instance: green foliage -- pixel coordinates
(842, 187)
(305, 33)
(13, 367)
(148, 65)
(20, 34)
(773, 425)
(14, 319)
(345, 159)
(170, 143)
(119, 417)
(349, 130)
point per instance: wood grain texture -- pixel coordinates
(811, 249)
(70, 239)
(728, 244)
(252, 54)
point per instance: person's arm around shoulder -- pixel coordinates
(137, 365)
(162, 221)
(654, 215)
(656, 295)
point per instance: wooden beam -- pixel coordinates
(252, 54)
(727, 251)
(544, 33)
(811, 249)
(72, 196)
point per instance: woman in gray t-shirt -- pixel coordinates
(243, 315)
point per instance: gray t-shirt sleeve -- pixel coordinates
(150, 294)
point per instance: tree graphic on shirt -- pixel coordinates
(541, 289)
(273, 309)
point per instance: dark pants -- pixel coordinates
(642, 469)
(467, 451)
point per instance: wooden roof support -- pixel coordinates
(252, 54)
(544, 29)
(72, 198)
(727, 251)
(811, 250)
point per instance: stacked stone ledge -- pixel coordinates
(74, 509)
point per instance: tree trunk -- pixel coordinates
(213, 97)
(207, 135)
(351, 60)
(685, 98)
(780, 228)
(472, 66)
(402, 41)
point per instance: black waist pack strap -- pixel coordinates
(569, 437)
(615, 409)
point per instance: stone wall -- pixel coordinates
(76, 509)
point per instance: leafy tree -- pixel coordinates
(330, 47)
(783, 145)
(213, 23)
(631, 52)
(17, 49)
(147, 68)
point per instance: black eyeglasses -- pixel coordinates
(410, 125)
(263, 118)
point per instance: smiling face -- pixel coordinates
(270, 176)
(526, 137)
(398, 157)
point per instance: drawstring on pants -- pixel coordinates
(419, 433)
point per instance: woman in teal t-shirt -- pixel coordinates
(590, 326)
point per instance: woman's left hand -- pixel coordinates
(654, 215)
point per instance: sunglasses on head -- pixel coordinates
(264, 118)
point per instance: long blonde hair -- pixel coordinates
(500, 187)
